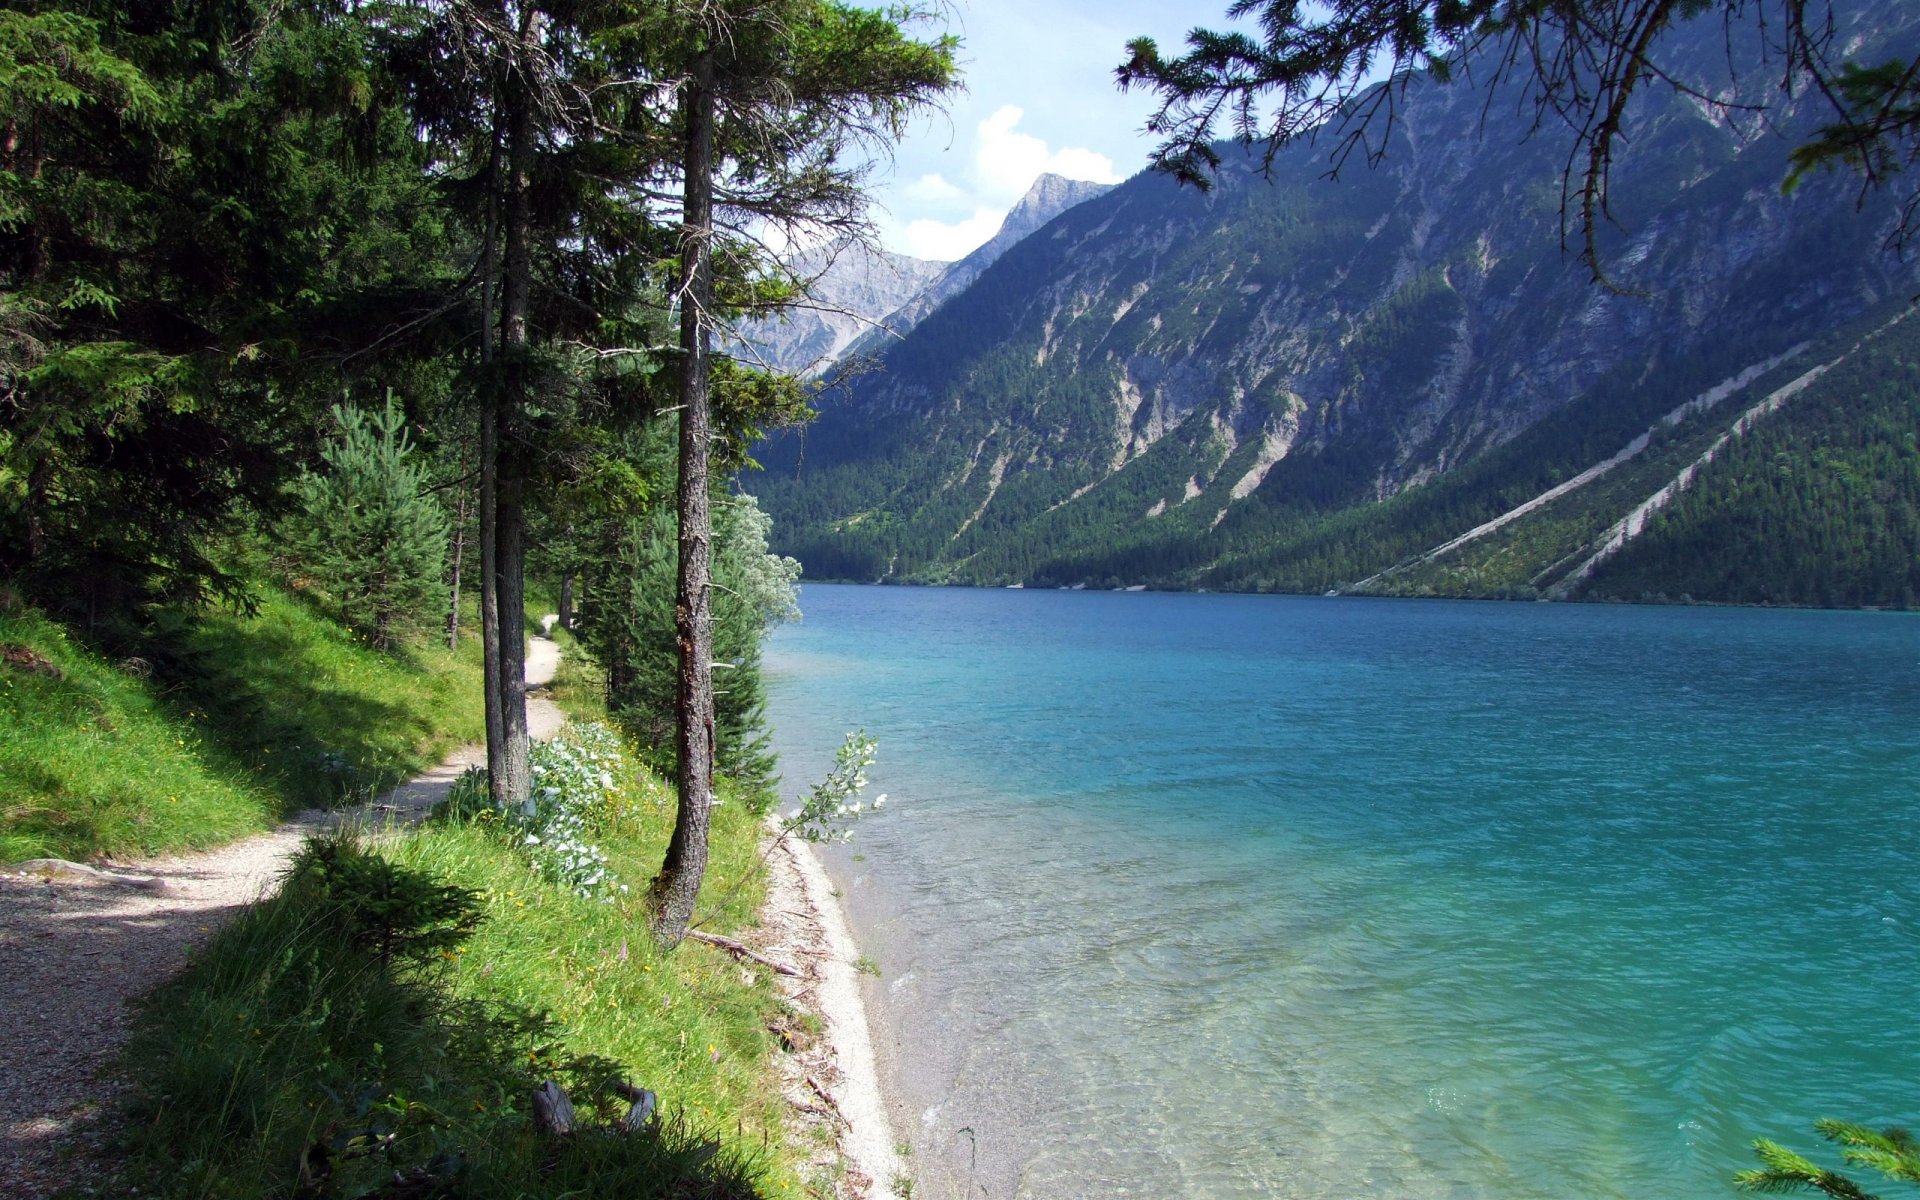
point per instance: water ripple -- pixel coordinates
(1232, 896)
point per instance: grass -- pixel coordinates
(224, 726)
(93, 761)
(299, 699)
(691, 1024)
(579, 686)
(304, 1051)
(288, 1034)
(295, 1058)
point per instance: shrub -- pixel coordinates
(576, 791)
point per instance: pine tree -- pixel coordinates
(369, 533)
(1892, 1152)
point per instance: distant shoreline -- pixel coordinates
(1156, 589)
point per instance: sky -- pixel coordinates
(1039, 96)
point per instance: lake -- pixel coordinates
(1215, 896)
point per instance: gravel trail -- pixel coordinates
(77, 945)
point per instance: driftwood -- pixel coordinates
(644, 1103)
(554, 1116)
(827, 1096)
(741, 950)
(553, 1112)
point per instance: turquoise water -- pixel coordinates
(1208, 896)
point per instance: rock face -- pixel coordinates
(1049, 196)
(862, 300)
(1218, 389)
(853, 287)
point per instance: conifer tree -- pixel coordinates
(1892, 1152)
(771, 98)
(369, 532)
(629, 624)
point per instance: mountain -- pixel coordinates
(1300, 383)
(863, 299)
(1049, 196)
(853, 287)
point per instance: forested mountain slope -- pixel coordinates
(1299, 383)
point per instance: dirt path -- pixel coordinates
(75, 947)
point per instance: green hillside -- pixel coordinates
(223, 726)
(1294, 383)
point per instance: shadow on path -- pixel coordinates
(76, 947)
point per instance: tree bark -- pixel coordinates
(511, 778)
(566, 599)
(490, 603)
(39, 487)
(459, 549)
(677, 886)
(489, 466)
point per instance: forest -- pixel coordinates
(338, 341)
(387, 302)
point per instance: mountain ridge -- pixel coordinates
(860, 298)
(1180, 389)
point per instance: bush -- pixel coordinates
(576, 792)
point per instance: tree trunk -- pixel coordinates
(510, 515)
(39, 487)
(490, 604)
(566, 600)
(489, 467)
(675, 889)
(459, 548)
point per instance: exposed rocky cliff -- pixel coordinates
(851, 287)
(1189, 389)
(1049, 196)
(860, 300)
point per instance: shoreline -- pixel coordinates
(832, 1081)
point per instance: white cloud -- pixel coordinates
(944, 242)
(933, 188)
(946, 213)
(1008, 161)
(1076, 163)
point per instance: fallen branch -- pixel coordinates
(740, 950)
(49, 867)
(833, 1104)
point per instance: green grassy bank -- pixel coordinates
(221, 726)
(293, 1042)
(388, 1014)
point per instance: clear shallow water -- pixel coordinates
(1220, 896)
